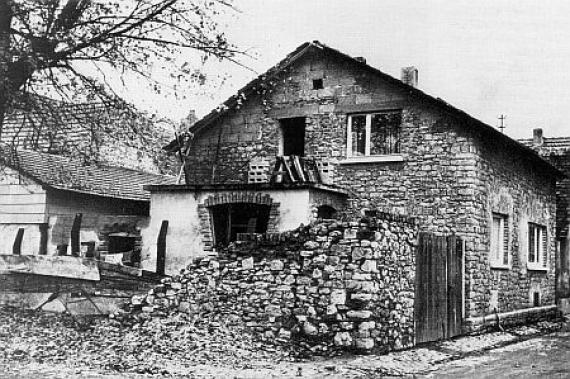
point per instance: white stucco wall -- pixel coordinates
(183, 240)
(184, 237)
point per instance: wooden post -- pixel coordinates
(161, 248)
(75, 240)
(17, 248)
(43, 238)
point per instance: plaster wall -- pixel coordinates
(187, 224)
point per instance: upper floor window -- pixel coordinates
(499, 256)
(374, 134)
(537, 246)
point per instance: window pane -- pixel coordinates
(358, 132)
(385, 133)
(531, 243)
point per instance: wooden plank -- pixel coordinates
(28, 198)
(451, 287)
(75, 235)
(421, 307)
(44, 227)
(161, 248)
(17, 247)
(56, 266)
(20, 189)
(440, 290)
(460, 294)
(288, 169)
(298, 168)
(429, 289)
(442, 293)
(418, 291)
(25, 208)
(36, 218)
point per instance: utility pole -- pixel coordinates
(502, 123)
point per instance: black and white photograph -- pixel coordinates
(278, 189)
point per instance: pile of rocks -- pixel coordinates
(323, 288)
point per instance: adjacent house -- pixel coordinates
(557, 151)
(323, 133)
(42, 194)
(91, 132)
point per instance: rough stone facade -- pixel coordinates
(331, 285)
(557, 151)
(449, 173)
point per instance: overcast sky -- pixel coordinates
(485, 57)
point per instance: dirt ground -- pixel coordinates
(33, 346)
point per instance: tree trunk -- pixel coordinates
(5, 22)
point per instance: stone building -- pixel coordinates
(557, 151)
(365, 140)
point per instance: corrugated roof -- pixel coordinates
(71, 175)
(255, 84)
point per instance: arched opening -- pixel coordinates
(326, 211)
(234, 218)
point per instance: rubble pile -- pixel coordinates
(157, 346)
(328, 287)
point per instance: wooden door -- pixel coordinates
(438, 307)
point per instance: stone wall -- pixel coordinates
(505, 185)
(328, 286)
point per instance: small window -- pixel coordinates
(325, 211)
(536, 299)
(374, 134)
(499, 249)
(318, 84)
(537, 247)
(229, 220)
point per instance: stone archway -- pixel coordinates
(205, 211)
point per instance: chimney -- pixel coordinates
(410, 76)
(360, 59)
(537, 139)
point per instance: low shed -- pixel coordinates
(42, 194)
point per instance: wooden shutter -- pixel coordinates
(544, 246)
(505, 241)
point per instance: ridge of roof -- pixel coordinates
(301, 49)
(65, 173)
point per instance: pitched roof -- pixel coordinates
(552, 145)
(69, 174)
(94, 129)
(300, 51)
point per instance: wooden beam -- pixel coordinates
(43, 238)
(17, 248)
(161, 248)
(75, 237)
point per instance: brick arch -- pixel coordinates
(206, 226)
(243, 197)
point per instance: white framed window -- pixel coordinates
(499, 246)
(537, 257)
(373, 134)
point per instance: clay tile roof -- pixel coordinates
(553, 145)
(71, 175)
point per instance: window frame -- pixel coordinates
(367, 130)
(498, 260)
(539, 233)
